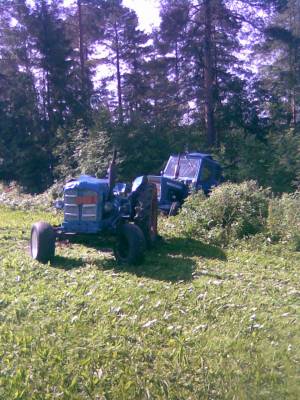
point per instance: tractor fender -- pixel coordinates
(138, 182)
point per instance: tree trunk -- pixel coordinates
(293, 107)
(294, 88)
(208, 76)
(177, 71)
(81, 49)
(119, 86)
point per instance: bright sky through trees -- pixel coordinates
(147, 11)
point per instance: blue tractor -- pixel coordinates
(183, 174)
(99, 206)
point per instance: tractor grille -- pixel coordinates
(80, 205)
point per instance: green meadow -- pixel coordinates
(193, 322)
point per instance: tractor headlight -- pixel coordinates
(59, 204)
(108, 207)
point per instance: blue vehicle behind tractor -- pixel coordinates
(183, 174)
(100, 206)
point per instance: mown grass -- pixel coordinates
(193, 322)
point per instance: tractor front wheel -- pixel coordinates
(130, 245)
(42, 242)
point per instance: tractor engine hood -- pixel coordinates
(86, 182)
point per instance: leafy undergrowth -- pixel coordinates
(13, 197)
(193, 322)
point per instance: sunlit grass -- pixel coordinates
(193, 322)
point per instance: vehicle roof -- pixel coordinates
(199, 155)
(195, 155)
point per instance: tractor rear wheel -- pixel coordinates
(146, 213)
(42, 242)
(130, 245)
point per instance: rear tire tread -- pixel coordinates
(146, 213)
(130, 245)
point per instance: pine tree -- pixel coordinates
(281, 76)
(135, 83)
(126, 48)
(84, 21)
(55, 64)
(203, 41)
(23, 157)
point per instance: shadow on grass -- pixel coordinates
(194, 248)
(159, 267)
(170, 260)
(97, 242)
(67, 263)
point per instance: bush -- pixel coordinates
(284, 219)
(232, 211)
(83, 151)
(13, 196)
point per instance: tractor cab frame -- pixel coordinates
(183, 174)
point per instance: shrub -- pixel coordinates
(232, 211)
(13, 197)
(284, 218)
(83, 151)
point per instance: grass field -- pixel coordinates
(193, 322)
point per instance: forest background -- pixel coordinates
(82, 77)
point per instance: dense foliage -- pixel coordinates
(236, 211)
(232, 211)
(80, 77)
(284, 219)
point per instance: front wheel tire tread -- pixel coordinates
(42, 242)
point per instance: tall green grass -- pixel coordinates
(193, 322)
